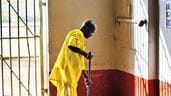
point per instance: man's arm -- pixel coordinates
(78, 50)
(88, 56)
(85, 74)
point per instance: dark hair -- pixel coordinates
(88, 26)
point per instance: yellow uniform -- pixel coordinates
(69, 65)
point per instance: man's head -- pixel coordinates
(88, 28)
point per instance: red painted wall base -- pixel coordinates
(119, 83)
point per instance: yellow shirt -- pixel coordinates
(69, 65)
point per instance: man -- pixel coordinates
(70, 62)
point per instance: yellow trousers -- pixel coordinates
(66, 90)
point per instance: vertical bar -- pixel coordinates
(41, 49)
(10, 53)
(139, 87)
(27, 47)
(2, 68)
(162, 89)
(153, 12)
(35, 46)
(166, 93)
(18, 28)
(157, 38)
(169, 90)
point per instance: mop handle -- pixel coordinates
(89, 69)
(89, 76)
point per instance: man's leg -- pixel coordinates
(59, 90)
(66, 90)
(70, 91)
(74, 91)
(62, 90)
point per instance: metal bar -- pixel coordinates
(28, 46)
(20, 17)
(16, 57)
(41, 48)
(14, 26)
(19, 63)
(35, 46)
(19, 37)
(125, 20)
(2, 68)
(2, 59)
(10, 53)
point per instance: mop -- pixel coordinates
(89, 77)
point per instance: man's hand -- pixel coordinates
(89, 55)
(87, 82)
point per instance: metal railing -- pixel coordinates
(26, 42)
(16, 76)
